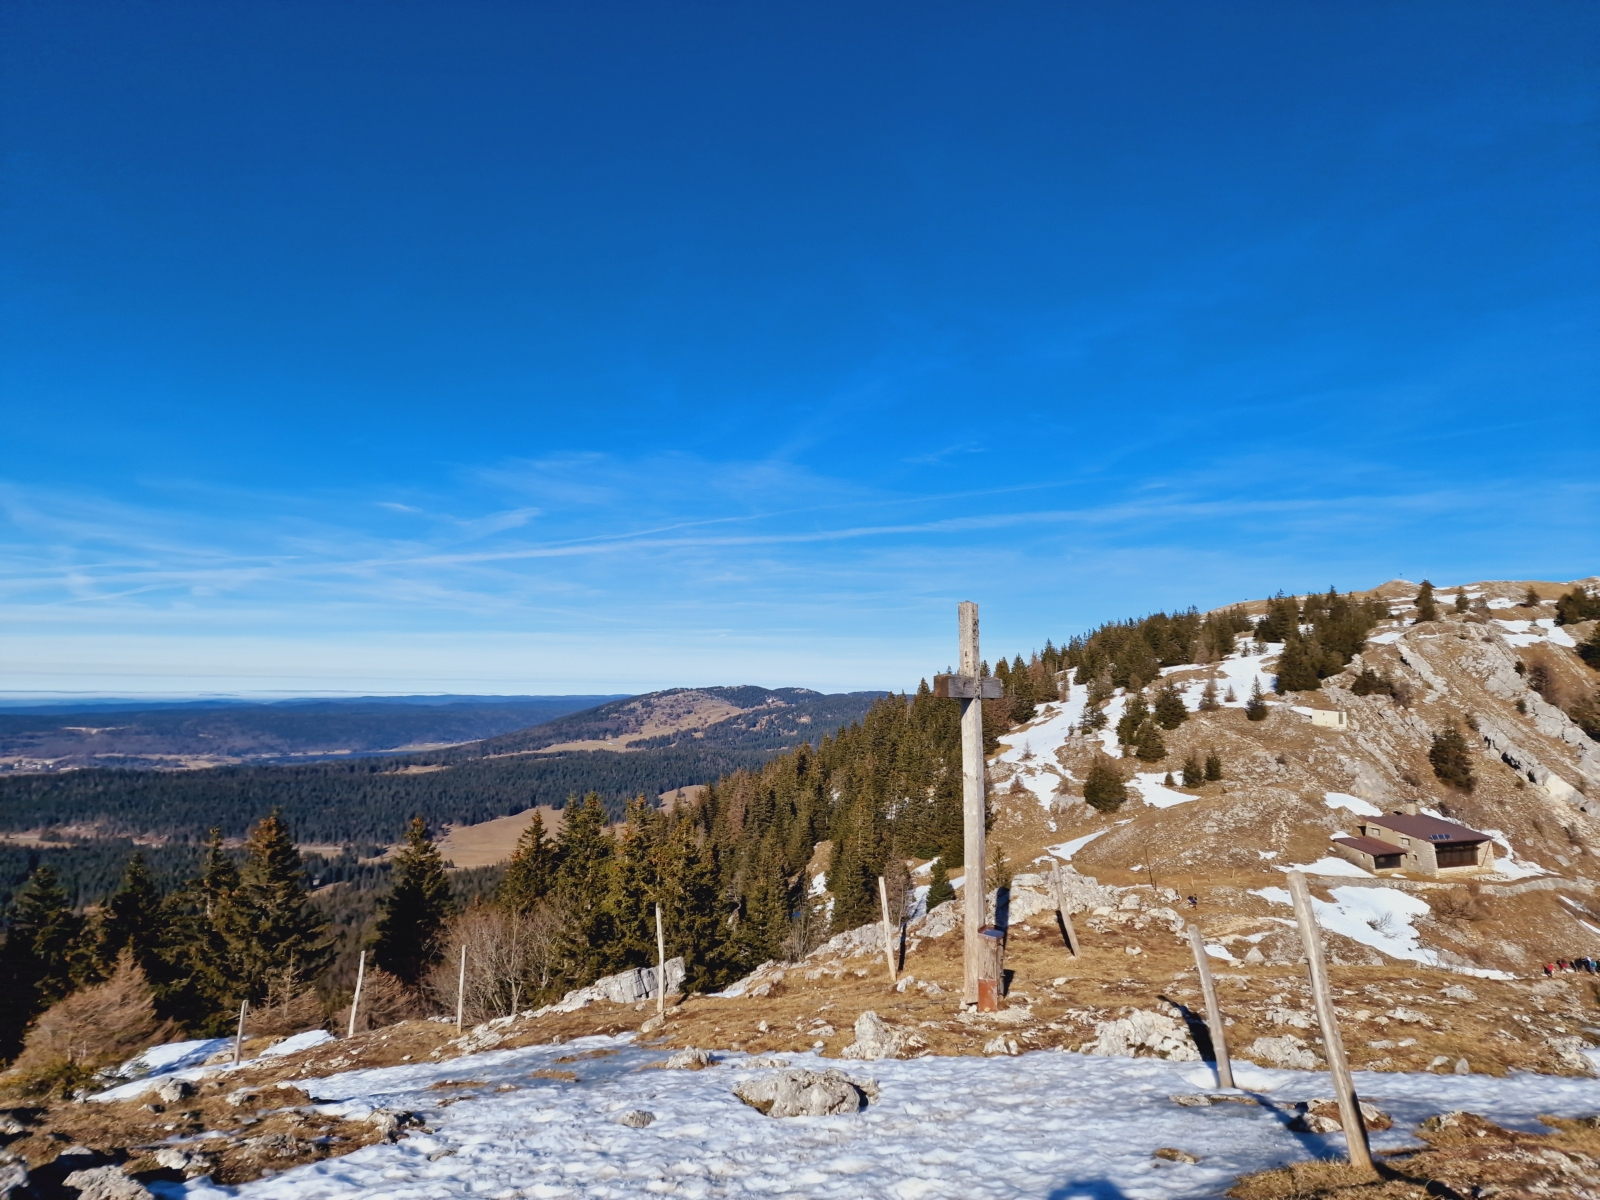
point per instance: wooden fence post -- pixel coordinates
(238, 1038)
(1069, 933)
(661, 967)
(355, 1002)
(888, 931)
(1219, 1036)
(1355, 1129)
(461, 988)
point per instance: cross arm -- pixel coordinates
(966, 687)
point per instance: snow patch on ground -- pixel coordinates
(174, 1056)
(1330, 866)
(1506, 865)
(1387, 638)
(1065, 850)
(1351, 803)
(1374, 916)
(1031, 1126)
(1156, 794)
(1527, 633)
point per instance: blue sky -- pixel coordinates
(601, 347)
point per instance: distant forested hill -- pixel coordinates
(370, 799)
(57, 737)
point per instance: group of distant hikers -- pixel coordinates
(1570, 965)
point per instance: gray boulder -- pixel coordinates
(801, 1093)
(106, 1183)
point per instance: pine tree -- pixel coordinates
(1149, 745)
(1450, 759)
(1208, 698)
(1589, 651)
(852, 872)
(582, 891)
(939, 889)
(45, 957)
(1531, 599)
(764, 909)
(199, 975)
(636, 883)
(131, 919)
(415, 910)
(1193, 773)
(691, 909)
(280, 943)
(1255, 708)
(1300, 665)
(1104, 788)
(1213, 767)
(1462, 604)
(1427, 610)
(1134, 714)
(1170, 711)
(531, 871)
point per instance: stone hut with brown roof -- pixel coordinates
(1410, 841)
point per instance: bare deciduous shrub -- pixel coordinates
(386, 1001)
(511, 960)
(1461, 904)
(289, 1007)
(97, 1027)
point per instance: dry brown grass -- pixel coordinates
(1467, 1156)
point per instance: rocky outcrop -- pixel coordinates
(1144, 1034)
(806, 1093)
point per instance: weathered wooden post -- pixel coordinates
(1063, 910)
(461, 988)
(971, 689)
(661, 967)
(888, 930)
(1344, 1091)
(355, 1001)
(1219, 1036)
(991, 968)
(238, 1037)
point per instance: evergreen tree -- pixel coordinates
(131, 919)
(1427, 610)
(939, 889)
(1104, 788)
(531, 871)
(1170, 711)
(1282, 618)
(199, 975)
(1589, 651)
(1300, 665)
(1450, 759)
(1134, 714)
(415, 910)
(1213, 767)
(1208, 698)
(1462, 604)
(852, 874)
(1255, 708)
(279, 943)
(1578, 605)
(582, 891)
(1024, 705)
(1148, 745)
(691, 909)
(45, 957)
(1370, 683)
(1193, 773)
(636, 883)
(1531, 599)
(764, 910)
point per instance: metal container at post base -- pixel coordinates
(991, 967)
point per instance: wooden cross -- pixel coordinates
(972, 689)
